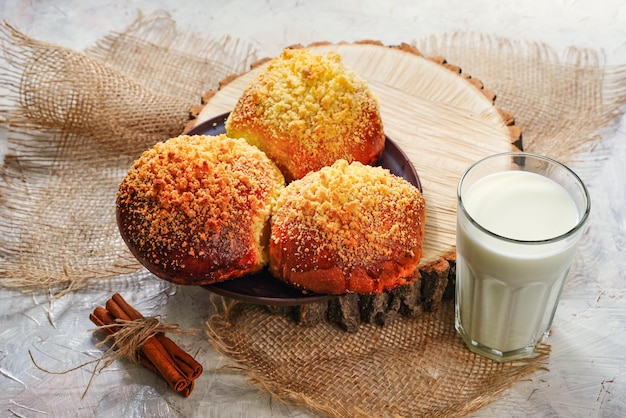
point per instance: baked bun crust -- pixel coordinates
(347, 228)
(196, 209)
(306, 111)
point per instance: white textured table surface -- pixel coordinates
(587, 375)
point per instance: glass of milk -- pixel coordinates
(519, 218)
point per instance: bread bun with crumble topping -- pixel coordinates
(306, 111)
(347, 228)
(195, 209)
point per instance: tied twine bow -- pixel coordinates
(126, 337)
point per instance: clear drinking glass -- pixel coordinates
(519, 218)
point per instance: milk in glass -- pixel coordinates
(510, 267)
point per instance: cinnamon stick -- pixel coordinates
(155, 352)
(158, 353)
(186, 363)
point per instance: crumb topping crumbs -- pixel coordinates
(206, 197)
(349, 215)
(303, 100)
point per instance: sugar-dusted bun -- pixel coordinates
(306, 111)
(347, 228)
(196, 209)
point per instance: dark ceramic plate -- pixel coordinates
(262, 288)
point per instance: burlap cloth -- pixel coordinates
(76, 120)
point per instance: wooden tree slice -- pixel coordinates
(443, 120)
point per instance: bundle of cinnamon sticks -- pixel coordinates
(158, 352)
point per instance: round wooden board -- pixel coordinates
(441, 120)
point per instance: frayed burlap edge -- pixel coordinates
(76, 122)
(441, 377)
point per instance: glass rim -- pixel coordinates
(512, 154)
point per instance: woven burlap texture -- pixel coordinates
(76, 121)
(408, 368)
